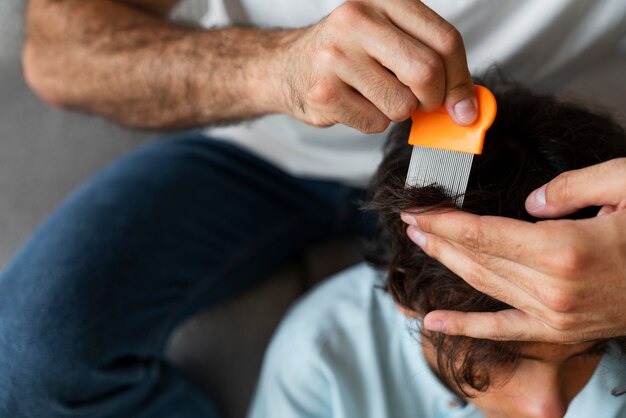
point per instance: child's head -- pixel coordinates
(534, 138)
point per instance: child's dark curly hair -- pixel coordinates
(534, 138)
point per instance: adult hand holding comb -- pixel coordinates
(374, 61)
(567, 278)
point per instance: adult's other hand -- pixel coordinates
(566, 278)
(374, 61)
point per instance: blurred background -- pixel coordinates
(45, 153)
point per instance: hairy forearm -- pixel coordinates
(136, 68)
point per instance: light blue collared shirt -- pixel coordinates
(346, 351)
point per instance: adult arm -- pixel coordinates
(124, 60)
(567, 278)
(364, 65)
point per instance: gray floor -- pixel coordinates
(46, 153)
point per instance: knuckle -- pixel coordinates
(374, 125)
(430, 71)
(323, 93)
(320, 120)
(401, 107)
(450, 41)
(561, 188)
(471, 237)
(330, 56)
(562, 322)
(567, 261)
(559, 301)
(350, 14)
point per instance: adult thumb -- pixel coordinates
(596, 185)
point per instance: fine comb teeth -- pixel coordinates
(438, 167)
(443, 151)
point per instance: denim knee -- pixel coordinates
(56, 361)
(40, 368)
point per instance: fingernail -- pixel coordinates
(437, 326)
(466, 111)
(417, 236)
(408, 219)
(537, 200)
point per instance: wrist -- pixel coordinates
(244, 73)
(269, 74)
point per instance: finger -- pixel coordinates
(511, 239)
(331, 101)
(479, 277)
(597, 185)
(414, 64)
(506, 325)
(357, 112)
(543, 289)
(422, 23)
(376, 84)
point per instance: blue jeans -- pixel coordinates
(87, 305)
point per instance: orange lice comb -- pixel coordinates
(443, 151)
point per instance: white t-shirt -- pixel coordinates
(346, 351)
(540, 41)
